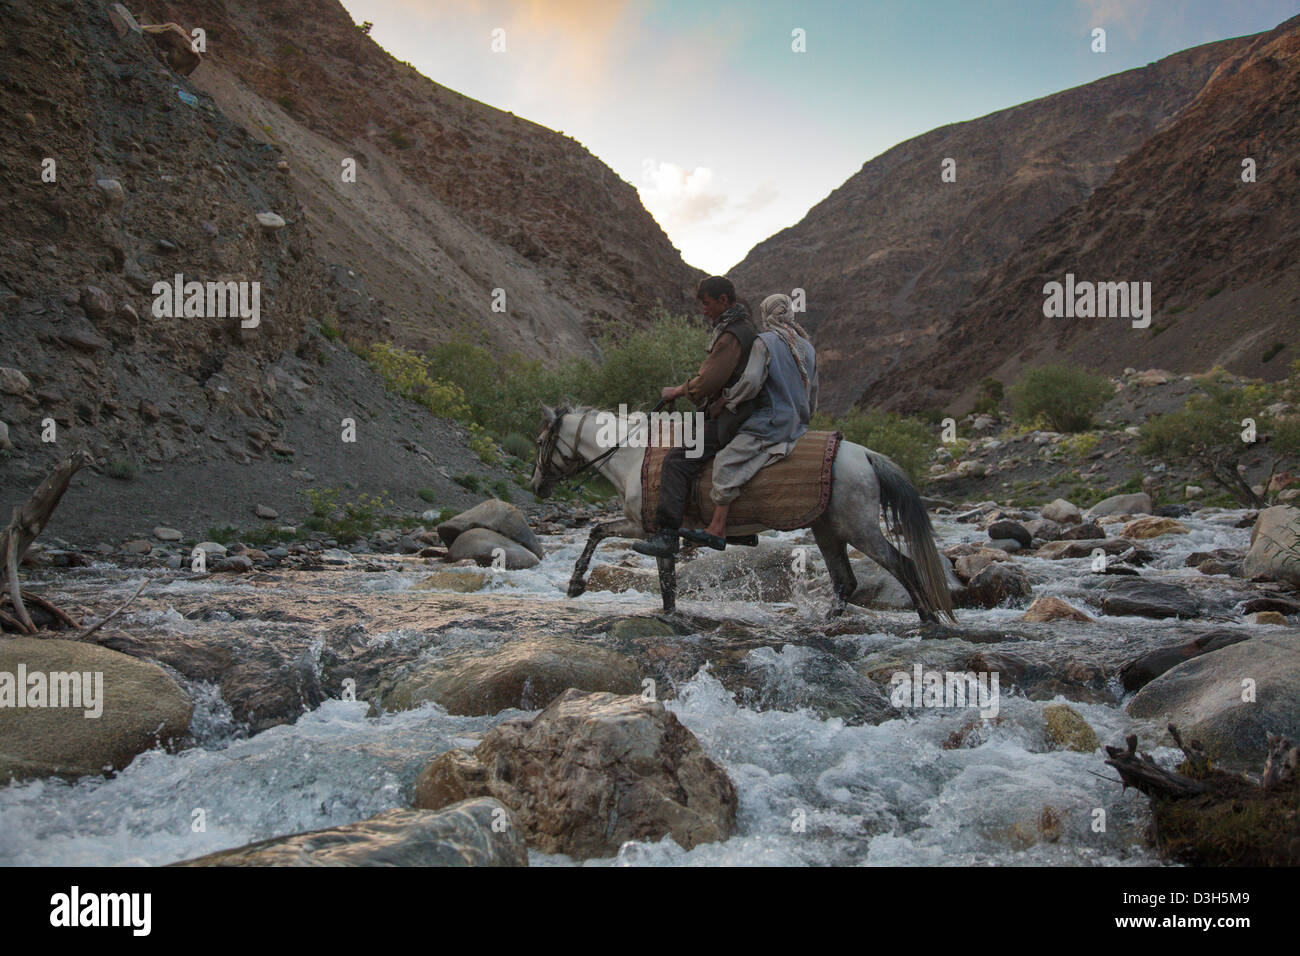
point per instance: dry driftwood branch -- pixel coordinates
(95, 627)
(1197, 759)
(1141, 772)
(28, 521)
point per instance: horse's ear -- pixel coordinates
(548, 413)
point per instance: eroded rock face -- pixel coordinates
(1274, 546)
(589, 773)
(1134, 504)
(136, 707)
(478, 832)
(1208, 698)
(1138, 596)
(527, 674)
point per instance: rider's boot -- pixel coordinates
(662, 544)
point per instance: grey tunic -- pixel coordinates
(783, 409)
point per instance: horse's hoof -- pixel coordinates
(577, 588)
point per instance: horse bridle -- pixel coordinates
(572, 465)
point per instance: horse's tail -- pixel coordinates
(905, 517)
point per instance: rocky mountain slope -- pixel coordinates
(452, 199)
(1222, 254)
(119, 173)
(889, 258)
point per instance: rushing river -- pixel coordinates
(812, 790)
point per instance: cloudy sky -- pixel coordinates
(729, 134)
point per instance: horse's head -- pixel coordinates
(551, 463)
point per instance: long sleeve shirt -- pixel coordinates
(715, 370)
(751, 380)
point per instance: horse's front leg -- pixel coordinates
(622, 528)
(668, 582)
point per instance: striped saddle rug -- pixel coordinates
(784, 496)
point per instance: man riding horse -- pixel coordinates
(733, 338)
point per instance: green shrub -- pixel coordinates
(520, 446)
(905, 440)
(468, 482)
(426, 494)
(123, 469)
(1208, 432)
(501, 489)
(1066, 398)
(224, 535)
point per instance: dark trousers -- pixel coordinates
(678, 473)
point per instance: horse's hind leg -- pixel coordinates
(876, 546)
(606, 529)
(835, 554)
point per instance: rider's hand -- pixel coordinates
(670, 392)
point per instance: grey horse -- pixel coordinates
(862, 483)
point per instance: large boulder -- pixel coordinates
(1141, 671)
(479, 832)
(1013, 530)
(1231, 699)
(1134, 504)
(1274, 546)
(481, 545)
(494, 515)
(589, 773)
(116, 708)
(527, 674)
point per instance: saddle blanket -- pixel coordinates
(790, 494)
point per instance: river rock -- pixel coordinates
(1274, 546)
(1062, 512)
(140, 707)
(1044, 529)
(1017, 532)
(1266, 617)
(527, 674)
(1152, 527)
(481, 546)
(1271, 602)
(1138, 596)
(163, 533)
(1141, 671)
(478, 832)
(463, 582)
(494, 515)
(612, 577)
(996, 584)
(265, 512)
(1133, 504)
(1065, 729)
(210, 548)
(1203, 697)
(1056, 550)
(969, 565)
(1046, 609)
(589, 773)
(1087, 531)
(336, 556)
